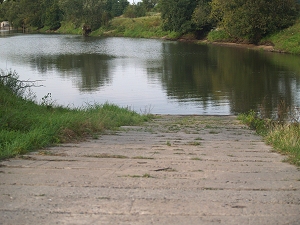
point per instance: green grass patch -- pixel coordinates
(288, 40)
(70, 28)
(196, 158)
(219, 35)
(142, 27)
(26, 126)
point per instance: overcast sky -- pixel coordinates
(131, 1)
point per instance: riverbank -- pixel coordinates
(170, 170)
(286, 41)
(27, 126)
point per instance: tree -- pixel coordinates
(91, 13)
(72, 11)
(149, 4)
(116, 7)
(201, 15)
(253, 19)
(135, 10)
(53, 15)
(177, 14)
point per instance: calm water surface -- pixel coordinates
(161, 76)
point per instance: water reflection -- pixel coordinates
(245, 78)
(91, 70)
(172, 77)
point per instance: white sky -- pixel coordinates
(131, 1)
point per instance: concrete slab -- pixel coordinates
(172, 170)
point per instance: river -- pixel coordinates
(149, 75)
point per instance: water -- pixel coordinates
(159, 76)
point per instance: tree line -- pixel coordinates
(50, 13)
(249, 20)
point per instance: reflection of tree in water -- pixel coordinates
(90, 71)
(244, 77)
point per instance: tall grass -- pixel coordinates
(26, 126)
(283, 136)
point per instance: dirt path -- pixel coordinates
(173, 170)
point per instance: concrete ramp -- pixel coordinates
(173, 170)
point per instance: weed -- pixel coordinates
(196, 158)
(142, 157)
(283, 136)
(105, 155)
(199, 139)
(146, 175)
(168, 143)
(47, 101)
(195, 143)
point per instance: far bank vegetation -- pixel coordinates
(253, 21)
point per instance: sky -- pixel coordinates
(135, 1)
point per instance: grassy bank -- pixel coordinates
(287, 40)
(26, 126)
(284, 137)
(142, 27)
(150, 27)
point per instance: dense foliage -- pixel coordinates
(50, 13)
(242, 20)
(253, 19)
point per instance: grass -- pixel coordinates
(146, 175)
(27, 126)
(219, 35)
(288, 40)
(142, 157)
(142, 27)
(69, 28)
(196, 158)
(284, 137)
(107, 156)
